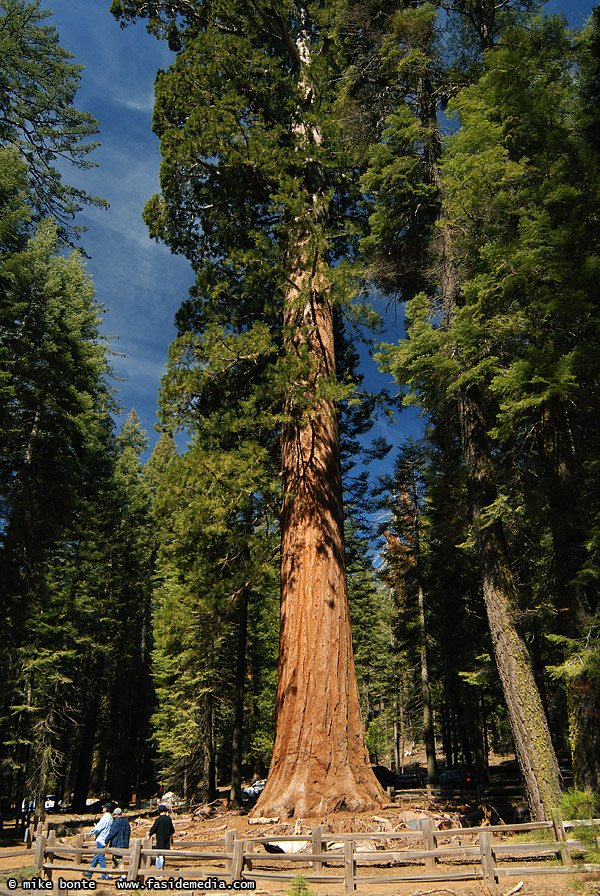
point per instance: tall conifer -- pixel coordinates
(256, 182)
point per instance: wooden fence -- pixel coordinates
(21, 855)
(425, 855)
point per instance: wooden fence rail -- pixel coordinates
(344, 859)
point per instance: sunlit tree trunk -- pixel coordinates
(320, 761)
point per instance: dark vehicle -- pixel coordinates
(95, 807)
(411, 777)
(384, 775)
(460, 778)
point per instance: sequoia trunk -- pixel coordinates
(320, 762)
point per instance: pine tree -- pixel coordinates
(529, 260)
(54, 414)
(404, 555)
(215, 551)
(37, 115)
(436, 374)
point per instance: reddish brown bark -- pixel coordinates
(319, 762)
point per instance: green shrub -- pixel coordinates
(582, 805)
(26, 872)
(299, 887)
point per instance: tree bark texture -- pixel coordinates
(208, 788)
(529, 726)
(237, 797)
(576, 605)
(320, 763)
(428, 732)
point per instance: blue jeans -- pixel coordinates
(99, 857)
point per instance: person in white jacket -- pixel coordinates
(100, 832)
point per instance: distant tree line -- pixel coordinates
(445, 156)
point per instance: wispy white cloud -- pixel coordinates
(138, 280)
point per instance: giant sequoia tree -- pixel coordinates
(256, 186)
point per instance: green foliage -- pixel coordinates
(299, 887)
(73, 539)
(37, 115)
(215, 540)
(583, 805)
(579, 804)
(582, 656)
(18, 874)
(377, 742)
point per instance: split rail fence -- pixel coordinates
(425, 855)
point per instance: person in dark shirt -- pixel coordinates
(118, 835)
(164, 831)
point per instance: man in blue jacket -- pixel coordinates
(118, 835)
(100, 832)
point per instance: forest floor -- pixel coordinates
(211, 823)
(214, 821)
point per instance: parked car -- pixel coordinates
(255, 788)
(459, 778)
(384, 775)
(411, 777)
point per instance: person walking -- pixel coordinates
(118, 835)
(164, 830)
(100, 831)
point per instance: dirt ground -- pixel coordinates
(212, 822)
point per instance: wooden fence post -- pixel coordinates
(40, 849)
(316, 844)
(50, 844)
(249, 849)
(134, 859)
(488, 867)
(29, 836)
(429, 842)
(349, 867)
(79, 842)
(561, 837)
(237, 862)
(146, 861)
(230, 838)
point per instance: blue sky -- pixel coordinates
(138, 280)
